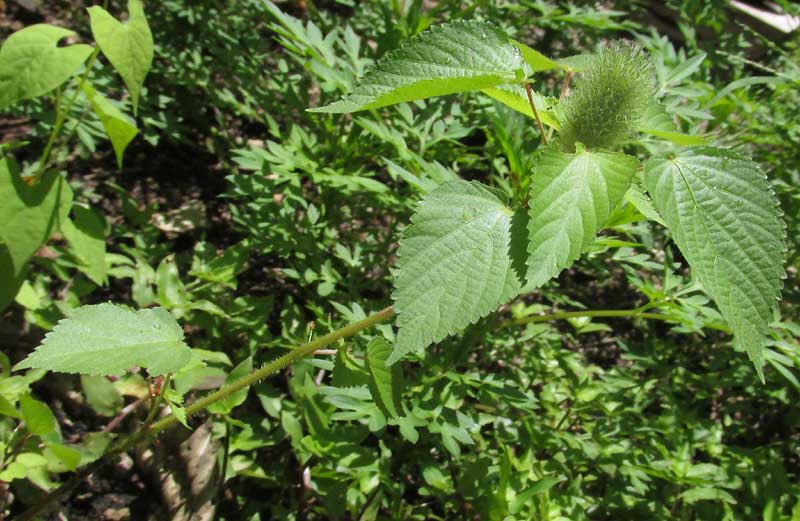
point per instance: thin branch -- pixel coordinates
(535, 112)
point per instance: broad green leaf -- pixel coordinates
(458, 57)
(62, 457)
(106, 339)
(657, 122)
(86, 234)
(101, 395)
(347, 372)
(537, 60)
(29, 215)
(171, 291)
(127, 45)
(385, 382)
(8, 409)
(38, 417)
(572, 195)
(726, 221)
(32, 64)
(454, 265)
(119, 128)
(515, 97)
(227, 404)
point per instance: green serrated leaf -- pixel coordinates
(38, 417)
(454, 265)
(347, 372)
(175, 402)
(385, 382)
(127, 45)
(726, 221)
(29, 215)
(32, 63)
(572, 195)
(119, 128)
(106, 339)
(86, 234)
(458, 57)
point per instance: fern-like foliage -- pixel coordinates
(610, 98)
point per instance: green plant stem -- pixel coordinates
(61, 115)
(165, 423)
(535, 112)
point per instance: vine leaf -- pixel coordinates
(385, 382)
(572, 195)
(726, 221)
(128, 46)
(106, 339)
(29, 215)
(32, 64)
(454, 264)
(119, 128)
(458, 57)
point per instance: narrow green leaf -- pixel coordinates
(32, 64)
(86, 234)
(127, 45)
(572, 195)
(38, 417)
(726, 221)
(385, 382)
(657, 122)
(105, 339)
(29, 215)
(171, 291)
(515, 97)
(227, 404)
(537, 60)
(119, 128)
(458, 57)
(454, 265)
(101, 395)
(642, 202)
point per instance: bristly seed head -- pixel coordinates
(609, 99)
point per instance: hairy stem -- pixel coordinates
(535, 112)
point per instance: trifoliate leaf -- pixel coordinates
(454, 264)
(385, 382)
(32, 63)
(458, 57)
(572, 195)
(127, 45)
(726, 222)
(609, 99)
(106, 339)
